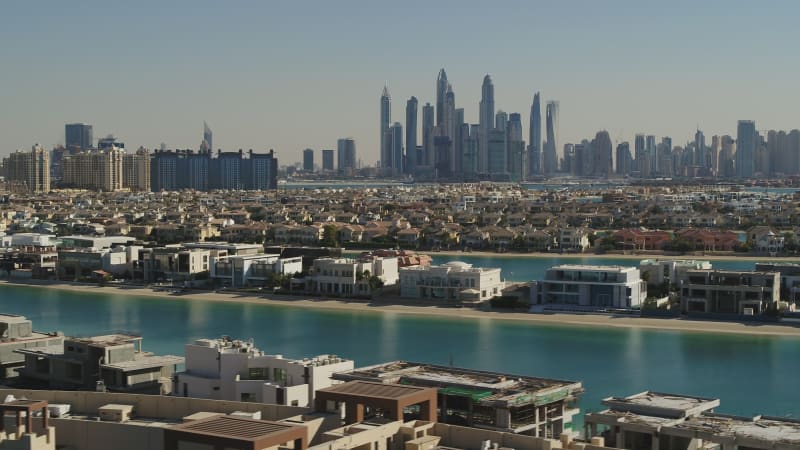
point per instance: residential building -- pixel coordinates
(412, 157)
(225, 369)
(584, 286)
(99, 170)
(485, 123)
(351, 277)
(668, 271)
(746, 140)
(30, 170)
(535, 137)
(573, 239)
(453, 281)
(253, 270)
(16, 332)
(489, 400)
(790, 278)
(115, 362)
(654, 420)
(346, 153)
(171, 262)
(729, 292)
(136, 170)
(386, 120)
(550, 157)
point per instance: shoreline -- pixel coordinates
(330, 304)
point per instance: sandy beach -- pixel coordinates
(582, 320)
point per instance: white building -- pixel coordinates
(670, 270)
(451, 281)
(248, 270)
(350, 277)
(592, 286)
(28, 240)
(225, 369)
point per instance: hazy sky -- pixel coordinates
(296, 74)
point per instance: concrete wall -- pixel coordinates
(167, 407)
(96, 435)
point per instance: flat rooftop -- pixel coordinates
(765, 429)
(375, 390)
(594, 267)
(12, 318)
(659, 404)
(106, 340)
(480, 385)
(146, 362)
(240, 429)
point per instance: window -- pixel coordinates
(247, 397)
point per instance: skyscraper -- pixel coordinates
(411, 135)
(428, 124)
(450, 125)
(517, 158)
(485, 122)
(327, 160)
(396, 149)
(207, 137)
(624, 159)
(699, 149)
(386, 119)
(650, 148)
(78, 136)
(441, 92)
(308, 160)
(136, 170)
(746, 142)
(603, 157)
(535, 138)
(551, 156)
(346, 150)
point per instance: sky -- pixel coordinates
(301, 74)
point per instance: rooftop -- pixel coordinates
(375, 390)
(593, 267)
(658, 404)
(146, 362)
(768, 429)
(107, 340)
(238, 428)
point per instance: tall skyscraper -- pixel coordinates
(428, 152)
(207, 138)
(78, 136)
(650, 149)
(486, 122)
(517, 157)
(411, 135)
(535, 138)
(386, 119)
(29, 170)
(746, 142)
(551, 156)
(449, 125)
(346, 150)
(603, 157)
(327, 160)
(624, 159)
(308, 160)
(396, 149)
(441, 92)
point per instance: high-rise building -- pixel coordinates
(535, 138)
(136, 170)
(308, 160)
(110, 142)
(99, 170)
(208, 138)
(515, 148)
(496, 151)
(346, 152)
(78, 136)
(29, 170)
(624, 159)
(450, 125)
(260, 171)
(650, 150)
(386, 119)
(746, 142)
(699, 149)
(603, 157)
(469, 157)
(428, 152)
(459, 141)
(441, 92)
(181, 169)
(411, 135)
(395, 149)
(551, 156)
(486, 121)
(327, 160)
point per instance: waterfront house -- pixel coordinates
(16, 332)
(347, 277)
(592, 287)
(453, 281)
(729, 292)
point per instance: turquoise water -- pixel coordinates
(751, 374)
(526, 269)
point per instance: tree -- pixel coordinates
(330, 236)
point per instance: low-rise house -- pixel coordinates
(226, 369)
(583, 286)
(669, 271)
(351, 277)
(16, 332)
(710, 240)
(453, 281)
(729, 292)
(115, 362)
(409, 237)
(253, 270)
(573, 239)
(635, 239)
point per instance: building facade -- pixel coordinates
(453, 281)
(592, 287)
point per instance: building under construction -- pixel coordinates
(496, 401)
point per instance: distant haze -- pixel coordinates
(296, 75)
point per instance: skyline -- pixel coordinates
(277, 76)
